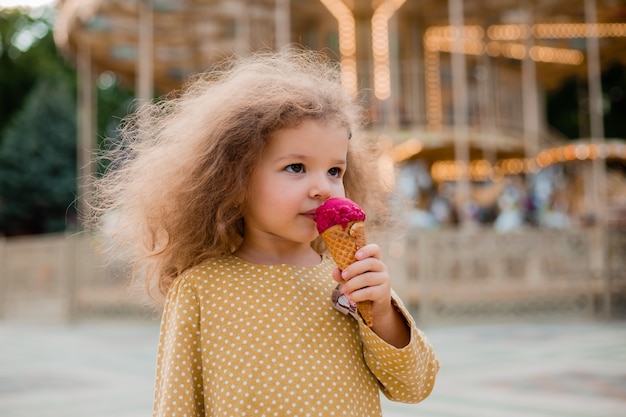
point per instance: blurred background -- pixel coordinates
(502, 123)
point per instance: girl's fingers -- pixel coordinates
(337, 275)
(368, 251)
(376, 283)
(363, 294)
(363, 266)
(368, 279)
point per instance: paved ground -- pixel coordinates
(519, 370)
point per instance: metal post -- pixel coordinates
(596, 122)
(394, 75)
(598, 168)
(145, 54)
(242, 29)
(460, 110)
(529, 93)
(85, 122)
(282, 20)
(486, 105)
(415, 107)
(86, 143)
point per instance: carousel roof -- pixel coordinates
(189, 35)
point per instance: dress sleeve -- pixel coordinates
(179, 389)
(407, 374)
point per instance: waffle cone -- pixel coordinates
(342, 244)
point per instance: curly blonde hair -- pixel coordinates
(181, 169)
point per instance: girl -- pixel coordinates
(217, 189)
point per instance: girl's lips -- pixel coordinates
(310, 214)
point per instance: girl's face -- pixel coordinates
(299, 169)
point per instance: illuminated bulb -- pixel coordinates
(434, 114)
(594, 151)
(514, 50)
(531, 165)
(508, 32)
(569, 152)
(494, 48)
(556, 55)
(557, 154)
(578, 30)
(544, 159)
(582, 152)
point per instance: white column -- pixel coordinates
(395, 75)
(85, 121)
(530, 98)
(346, 26)
(460, 109)
(145, 52)
(598, 168)
(596, 122)
(282, 23)
(242, 29)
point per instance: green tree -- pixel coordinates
(26, 52)
(38, 163)
(38, 125)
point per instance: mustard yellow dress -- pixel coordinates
(240, 339)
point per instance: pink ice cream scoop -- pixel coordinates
(341, 223)
(337, 210)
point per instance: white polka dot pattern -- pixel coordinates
(239, 339)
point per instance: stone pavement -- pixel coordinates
(105, 369)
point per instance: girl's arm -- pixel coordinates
(179, 378)
(405, 375)
(393, 328)
(395, 350)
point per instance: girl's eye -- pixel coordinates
(295, 168)
(335, 172)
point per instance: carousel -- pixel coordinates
(455, 85)
(454, 92)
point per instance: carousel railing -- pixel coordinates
(482, 274)
(442, 276)
(63, 277)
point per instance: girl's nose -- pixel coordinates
(321, 188)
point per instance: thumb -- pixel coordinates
(337, 275)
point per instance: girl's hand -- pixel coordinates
(368, 279)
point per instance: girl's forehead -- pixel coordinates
(309, 136)
(310, 125)
(311, 129)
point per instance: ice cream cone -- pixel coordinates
(342, 244)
